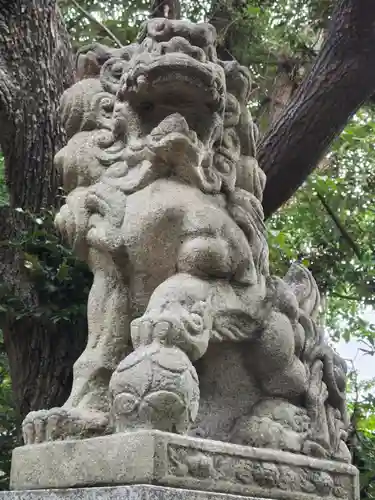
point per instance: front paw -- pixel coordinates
(72, 220)
(59, 424)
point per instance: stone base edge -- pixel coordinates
(134, 492)
(164, 459)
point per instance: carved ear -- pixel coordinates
(90, 58)
(87, 66)
(75, 106)
(111, 73)
(101, 111)
(304, 286)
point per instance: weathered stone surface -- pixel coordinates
(178, 461)
(136, 492)
(165, 205)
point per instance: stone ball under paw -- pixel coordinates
(155, 387)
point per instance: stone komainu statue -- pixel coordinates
(164, 204)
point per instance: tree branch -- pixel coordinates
(340, 81)
(347, 297)
(223, 17)
(339, 226)
(93, 19)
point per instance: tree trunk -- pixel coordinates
(35, 68)
(340, 81)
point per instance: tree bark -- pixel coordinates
(340, 81)
(36, 65)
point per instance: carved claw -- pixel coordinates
(60, 424)
(33, 427)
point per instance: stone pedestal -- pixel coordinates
(136, 492)
(190, 468)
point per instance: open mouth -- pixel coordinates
(175, 82)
